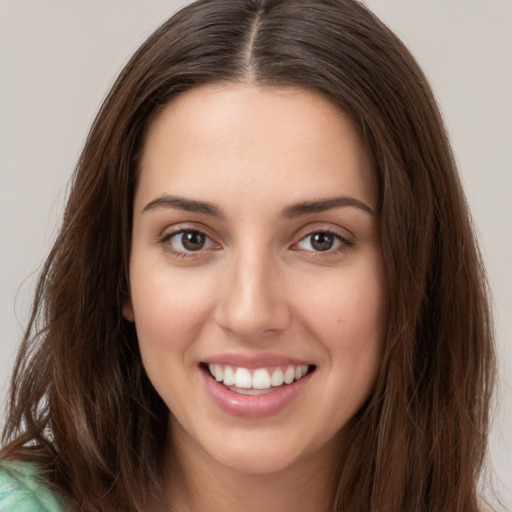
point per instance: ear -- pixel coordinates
(128, 311)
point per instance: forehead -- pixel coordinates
(240, 136)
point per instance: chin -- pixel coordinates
(266, 452)
(256, 462)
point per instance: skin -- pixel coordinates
(257, 285)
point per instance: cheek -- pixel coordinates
(170, 312)
(348, 316)
(350, 306)
(170, 309)
(168, 298)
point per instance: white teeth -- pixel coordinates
(218, 373)
(243, 378)
(251, 391)
(261, 379)
(277, 378)
(229, 376)
(289, 375)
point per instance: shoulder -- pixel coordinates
(22, 489)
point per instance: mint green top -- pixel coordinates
(22, 489)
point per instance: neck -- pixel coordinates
(197, 483)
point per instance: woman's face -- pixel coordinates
(256, 258)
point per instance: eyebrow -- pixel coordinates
(290, 212)
(307, 207)
(181, 203)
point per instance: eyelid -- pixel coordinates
(324, 227)
(179, 227)
(344, 242)
(170, 232)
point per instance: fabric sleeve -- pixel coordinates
(22, 489)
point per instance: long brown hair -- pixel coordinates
(81, 404)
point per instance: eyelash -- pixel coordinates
(343, 243)
(166, 242)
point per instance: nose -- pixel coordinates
(253, 300)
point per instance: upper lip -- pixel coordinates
(252, 361)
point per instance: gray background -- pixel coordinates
(59, 57)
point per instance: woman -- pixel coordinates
(266, 292)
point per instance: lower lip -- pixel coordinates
(253, 406)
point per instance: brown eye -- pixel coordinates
(186, 241)
(193, 240)
(322, 241)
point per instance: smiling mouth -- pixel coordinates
(257, 381)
